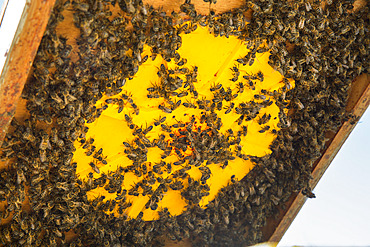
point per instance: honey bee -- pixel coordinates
(260, 76)
(232, 179)
(159, 121)
(259, 96)
(236, 74)
(215, 87)
(42, 155)
(240, 87)
(175, 105)
(164, 108)
(299, 104)
(229, 108)
(128, 119)
(45, 143)
(136, 109)
(182, 94)
(94, 167)
(28, 135)
(264, 119)
(188, 104)
(118, 20)
(307, 192)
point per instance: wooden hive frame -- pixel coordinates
(23, 51)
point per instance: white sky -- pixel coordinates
(1, 3)
(9, 26)
(340, 213)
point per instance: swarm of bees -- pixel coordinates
(329, 51)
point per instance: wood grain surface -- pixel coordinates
(21, 54)
(201, 7)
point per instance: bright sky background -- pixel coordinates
(9, 26)
(340, 213)
(1, 3)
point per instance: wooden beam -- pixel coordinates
(200, 6)
(21, 55)
(358, 102)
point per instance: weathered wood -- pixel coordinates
(21, 55)
(200, 6)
